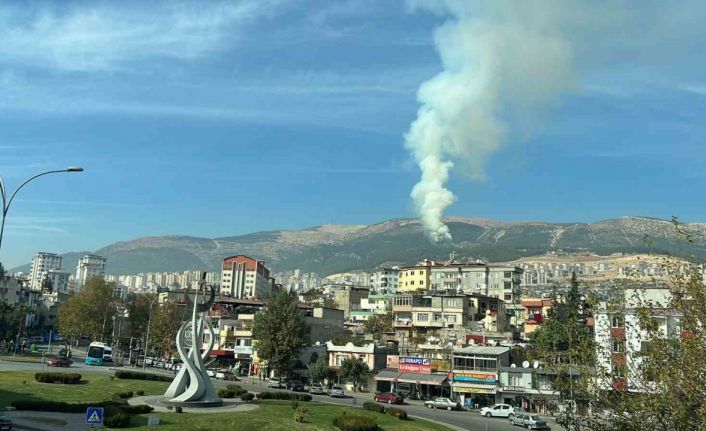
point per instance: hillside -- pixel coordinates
(337, 248)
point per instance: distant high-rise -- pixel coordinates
(41, 264)
(89, 266)
(245, 277)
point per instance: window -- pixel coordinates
(450, 318)
(508, 297)
(421, 282)
(618, 346)
(507, 274)
(515, 379)
(422, 317)
(617, 321)
(411, 283)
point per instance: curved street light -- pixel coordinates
(7, 202)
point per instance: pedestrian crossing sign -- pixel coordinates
(94, 416)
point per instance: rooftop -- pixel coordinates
(483, 350)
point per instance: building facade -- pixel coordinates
(385, 280)
(415, 278)
(89, 266)
(474, 375)
(245, 277)
(41, 264)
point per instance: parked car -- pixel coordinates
(295, 385)
(274, 382)
(498, 410)
(389, 398)
(211, 372)
(336, 391)
(5, 422)
(59, 361)
(443, 403)
(533, 422)
(518, 419)
(316, 388)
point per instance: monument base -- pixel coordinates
(191, 404)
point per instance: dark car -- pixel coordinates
(389, 398)
(295, 385)
(5, 422)
(59, 361)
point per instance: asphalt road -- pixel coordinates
(465, 420)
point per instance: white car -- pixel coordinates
(274, 383)
(498, 411)
(336, 392)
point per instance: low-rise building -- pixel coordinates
(419, 317)
(537, 310)
(530, 388)
(372, 354)
(475, 372)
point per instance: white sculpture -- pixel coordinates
(192, 384)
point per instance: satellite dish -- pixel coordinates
(513, 366)
(525, 364)
(536, 364)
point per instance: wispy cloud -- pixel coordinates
(83, 203)
(107, 36)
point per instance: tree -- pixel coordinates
(138, 308)
(318, 370)
(379, 323)
(90, 311)
(354, 369)
(280, 332)
(166, 320)
(2, 271)
(10, 318)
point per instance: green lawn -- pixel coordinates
(277, 416)
(15, 385)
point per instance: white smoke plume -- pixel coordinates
(503, 61)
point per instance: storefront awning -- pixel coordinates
(390, 375)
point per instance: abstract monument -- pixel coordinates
(192, 386)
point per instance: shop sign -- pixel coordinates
(473, 390)
(514, 389)
(392, 361)
(474, 377)
(413, 364)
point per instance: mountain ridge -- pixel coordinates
(335, 248)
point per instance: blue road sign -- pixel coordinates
(94, 416)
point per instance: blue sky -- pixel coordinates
(217, 119)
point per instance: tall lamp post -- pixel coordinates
(7, 202)
(147, 339)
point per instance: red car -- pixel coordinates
(59, 361)
(389, 398)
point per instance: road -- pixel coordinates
(465, 420)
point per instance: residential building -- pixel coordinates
(537, 310)
(245, 277)
(10, 289)
(475, 372)
(372, 354)
(414, 278)
(620, 337)
(323, 323)
(530, 388)
(419, 318)
(348, 298)
(414, 377)
(41, 264)
(385, 280)
(58, 279)
(89, 266)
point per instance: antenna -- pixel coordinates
(525, 364)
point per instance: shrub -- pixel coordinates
(117, 420)
(283, 396)
(295, 404)
(236, 389)
(140, 393)
(226, 393)
(64, 378)
(374, 407)
(397, 413)
(247, 396)
(135, 375)
(299, 414)
(354, 423)
(137, 410)
(125, 395)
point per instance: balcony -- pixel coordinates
(617, 334)
(403, 323)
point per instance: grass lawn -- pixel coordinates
(277, 416)
(16, 385)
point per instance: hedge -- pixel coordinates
(136, 375)
(354, 423)
(58, 406)
(117, 420)
(374, 407)
(397, 413)
(247, 396)
(64, 378)
(225, 393)
(124, 395)
(236, 389)
(292, 396)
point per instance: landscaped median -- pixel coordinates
(22, 390)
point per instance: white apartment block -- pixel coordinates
(89, 266)
(41, 264)
(498, 281)
(245, 277)
(59, 280)
(385, 279)
(620, 338)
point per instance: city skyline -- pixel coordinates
(300, 112)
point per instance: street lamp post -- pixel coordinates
(7, 202)
(147, 339)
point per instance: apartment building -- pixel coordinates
(89, 266)
(385, 280)
(372, 354)
(620, 337)
(349, 298)
(537, 310)
(475, 371)
(415, 278)
(421, 317)
(245, 277)
(41, 264)
(57, 279)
